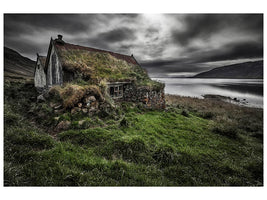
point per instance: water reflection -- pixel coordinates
(249, 89)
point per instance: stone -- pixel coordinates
(85, 110)
(92, 98)
(94, 104)
(92, 109)
(52, 105)
(80, 105)
(63, 125)
(75, 110)
(57, 106)
(81, 122)
(89, 99)
(56, 118)
(46, 94)
(40, 98)
(59, 111)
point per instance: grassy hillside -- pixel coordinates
(17, 66)
(252, 70)
(192, 143)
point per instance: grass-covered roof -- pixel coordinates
(99, 64)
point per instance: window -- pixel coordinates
(116, 91)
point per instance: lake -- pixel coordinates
(249, 90)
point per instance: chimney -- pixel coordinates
(59, 37)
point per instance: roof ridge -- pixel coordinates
(68, 46)
(98, 49)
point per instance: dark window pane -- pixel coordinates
(111, 90)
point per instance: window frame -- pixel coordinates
(116, 91)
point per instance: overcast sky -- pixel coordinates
(165, 44)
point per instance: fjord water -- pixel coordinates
(249, 90)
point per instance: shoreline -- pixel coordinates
(215, 98)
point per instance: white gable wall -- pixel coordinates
(39, 76)
(54, 70)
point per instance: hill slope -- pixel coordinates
(16, 65)
(240, 70)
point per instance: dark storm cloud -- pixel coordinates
(157, 67)
(202, 26)
(233, 51)
(27, 23)
(117, 35)
(163, 44)
(30, 33)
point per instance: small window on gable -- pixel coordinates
(38, 66)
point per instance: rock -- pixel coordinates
(46, 94)
(52, 105)
(92, 109)
(40, 98)
(59, 111)
(94, 104)
(58, 106)
(85, 110)
(56, 118)
(80, 105)
(63, 125)
(92, 98)
(81, 122)
(75, 110)
(89, 99)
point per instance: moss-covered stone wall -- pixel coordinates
(151, 98)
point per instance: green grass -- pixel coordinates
(176, 147)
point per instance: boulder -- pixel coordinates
(40, 98)
(89, 99)
(52, 105)
(63, 125)
(94, 104)
(75, 110)
(56, 118)
(81, 122)
(59, 111)
(85, 110)
(88, 105)
(46, 94)
(92, 98)
(80, 105)
(58, 106)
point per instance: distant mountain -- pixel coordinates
(16, 65)
(240, 70)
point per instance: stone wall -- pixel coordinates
(144, 94)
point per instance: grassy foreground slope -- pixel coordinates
(192, 143)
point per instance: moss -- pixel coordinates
(99, 66)
(71, 94)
